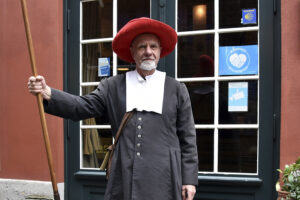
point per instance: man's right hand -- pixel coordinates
(37, 85)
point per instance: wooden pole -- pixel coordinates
(40, 102)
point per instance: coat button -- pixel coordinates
(139, 135)
(140, 119)
(139, 126)
(138, 153)
(138, 144)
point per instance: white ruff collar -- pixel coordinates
(145, 94)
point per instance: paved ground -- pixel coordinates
(27, 190)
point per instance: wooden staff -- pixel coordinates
(40, 102)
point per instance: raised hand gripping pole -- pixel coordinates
(40, 102)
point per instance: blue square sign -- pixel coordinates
(238, 60)
(249, 16)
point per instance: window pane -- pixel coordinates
(97, 19)
(238, 150)
(195, 56)
(90, 55)
(130, 9)
(246, 117)
(202, 99)
(195, 15)
(205, 146)
(88, 89)
(238, 54)
(231, 13)
(235, 39)
(96, 121)
(94, 145)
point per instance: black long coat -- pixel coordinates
(156, 154)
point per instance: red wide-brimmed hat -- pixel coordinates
(122, 41)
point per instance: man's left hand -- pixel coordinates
(188, 192)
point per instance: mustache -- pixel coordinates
(148, 62)
(148, 59)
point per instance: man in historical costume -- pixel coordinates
(156, 156)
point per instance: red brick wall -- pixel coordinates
(22, 150)
(290, 88)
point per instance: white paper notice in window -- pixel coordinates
(238, 97)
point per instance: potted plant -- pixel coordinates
(288, 187)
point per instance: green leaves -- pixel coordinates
(291, 179)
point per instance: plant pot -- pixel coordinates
(282, 195)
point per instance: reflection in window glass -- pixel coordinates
(97, 19)
(230, 12)
(246, 117)
(202, 99)
(195, 15)
(96, 121)
(237, 39)
(90, 55)
(238, 150)
(205, 147)
(88, 89)
(195, 56)
(94, 145)
(130, 9)
(124, 67)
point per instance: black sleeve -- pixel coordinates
(65, 105)
(187, 137)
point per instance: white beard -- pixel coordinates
(148, 65)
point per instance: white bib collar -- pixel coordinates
(145, 94)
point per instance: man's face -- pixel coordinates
(145, 50)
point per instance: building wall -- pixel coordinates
(290, 88)
(22, 150)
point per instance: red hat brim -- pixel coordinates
(122, 42)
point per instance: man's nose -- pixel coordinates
(148, 50)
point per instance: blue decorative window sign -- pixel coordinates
(237, 96)
(103, 67)
(238, 60)
(249, 16)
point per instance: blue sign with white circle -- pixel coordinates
(238, 60)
